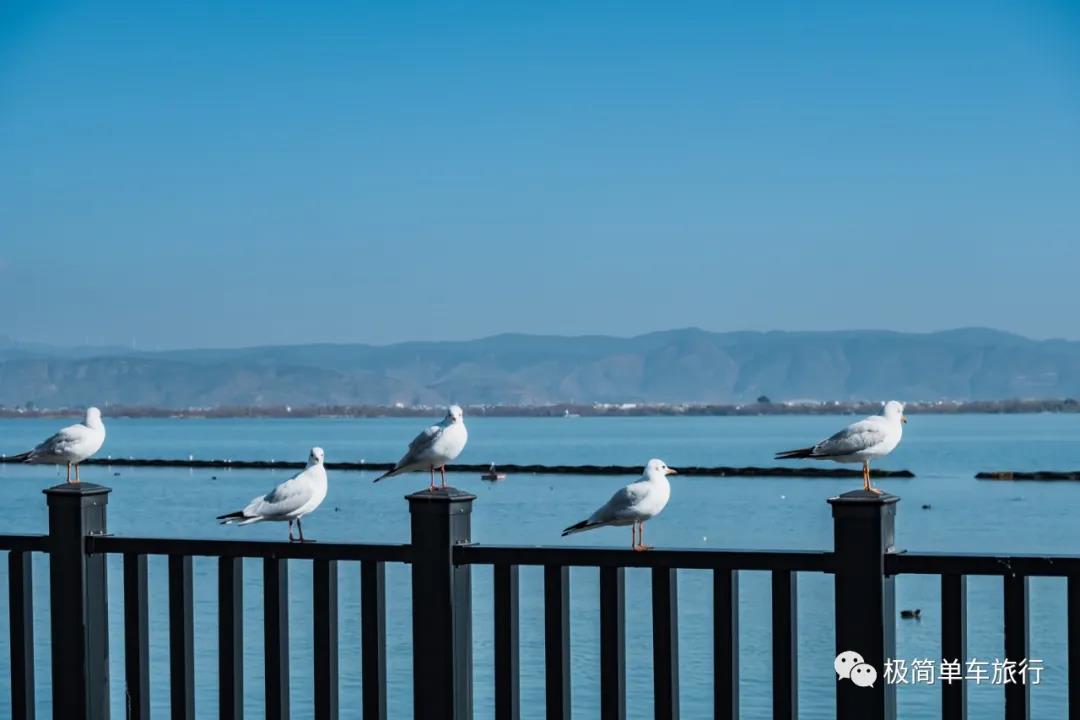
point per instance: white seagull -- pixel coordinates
(70, 445)
(433, 448)
(633, 505)
(872, 437)
(291, 500)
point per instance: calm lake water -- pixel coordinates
(751, 513)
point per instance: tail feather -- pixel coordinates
(231, 517)
(579, 527)
(21, 457)
(388, 473)
(795, 454)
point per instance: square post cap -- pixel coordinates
(862, 498)
(68, 492)
(447, 499)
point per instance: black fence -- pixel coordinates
(864, 563)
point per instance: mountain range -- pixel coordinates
(674, 366)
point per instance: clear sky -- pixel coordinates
(220, 174)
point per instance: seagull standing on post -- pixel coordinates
(872, 437)
(434, 447)
(290, 501)
(633, 505)
(71, 445)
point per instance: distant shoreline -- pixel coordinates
(570, 410)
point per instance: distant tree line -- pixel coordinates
(763, 406)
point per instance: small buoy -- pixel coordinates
(911, 614)
(116, 474)
(213, 477)
(926, 506)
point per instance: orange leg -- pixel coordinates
(641, 538)
(866, 479)
(442, 470)
(431, 486)
(68, 473)
(76, 473)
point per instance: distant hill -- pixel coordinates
(688, 365)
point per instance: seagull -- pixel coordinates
(872, 437)
(633, 505)
(70, 445)
(291, 500)
(434, 447)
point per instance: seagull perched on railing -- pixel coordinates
(434, 447)
(69, 446)
(872, 437)
(633, 505)
(291, 500)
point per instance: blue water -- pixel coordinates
(944, 451)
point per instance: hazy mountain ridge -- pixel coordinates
(688, 365)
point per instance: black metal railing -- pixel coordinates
(275, 557)
(441, 555)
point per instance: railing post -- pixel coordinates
(78, 602)
(441, 605)
(863, 532)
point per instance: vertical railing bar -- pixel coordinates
(276, 637)
(136, 637)
(325, 612)
(557, 641)
(1073, 616)
(612, 643)
(21, 619)
(726, 644)
(665, 623)
(1017, 694)
(230, 638)
(785, 671)
(181, 639)
(954, 644)
(373, 639)
(507, 657)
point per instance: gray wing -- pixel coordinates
(621, 503)
(420, 444)
(59, 443)
(852, 439)
(287, 497)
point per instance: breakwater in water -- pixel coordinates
(1045, 475)
(510, 468)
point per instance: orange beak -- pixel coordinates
(670, 471)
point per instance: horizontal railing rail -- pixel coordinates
(683, 559)
(906, 563)
(116, 544)
(24, 543)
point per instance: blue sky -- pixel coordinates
(240, 173)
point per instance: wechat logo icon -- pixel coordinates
(850, 665)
